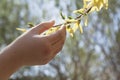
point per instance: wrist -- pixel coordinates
(9, 63)
(14, 56)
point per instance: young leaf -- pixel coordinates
(70, 17)
(31, 24)
(62, 16)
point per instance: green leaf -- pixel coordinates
(70, 17)
(62, 16)
(31, 24)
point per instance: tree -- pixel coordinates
(13, 14)
(93, 55)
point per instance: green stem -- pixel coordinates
(77, 18)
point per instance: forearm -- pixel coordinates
(8, 63)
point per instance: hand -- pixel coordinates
(32, 48)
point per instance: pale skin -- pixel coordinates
(31, 48)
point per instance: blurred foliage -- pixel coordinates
(11, 16)
(93, 55)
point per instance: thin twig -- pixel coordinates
(77, 18)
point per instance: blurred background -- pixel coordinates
(93, 55)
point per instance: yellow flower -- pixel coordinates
(70, 30)
(21, 29)
(105, 3)
(86, 20)
(98, 4)
(71, 21)
(75, 27)
(81, 29)
(51, 30)
(95, 4)
(89, 6)
(85, 2)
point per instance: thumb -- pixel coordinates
(40, 28)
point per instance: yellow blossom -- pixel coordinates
(72, 24)
(70, 30)
(75, 27)
(96, 4)
(81, 29)
(51, 30)
(86, 20)
(21, 29)
(71, 21)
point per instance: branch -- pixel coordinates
(77, 18)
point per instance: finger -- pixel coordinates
(55, 52)
(40, 28)
(60, 34)
(57, 47)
